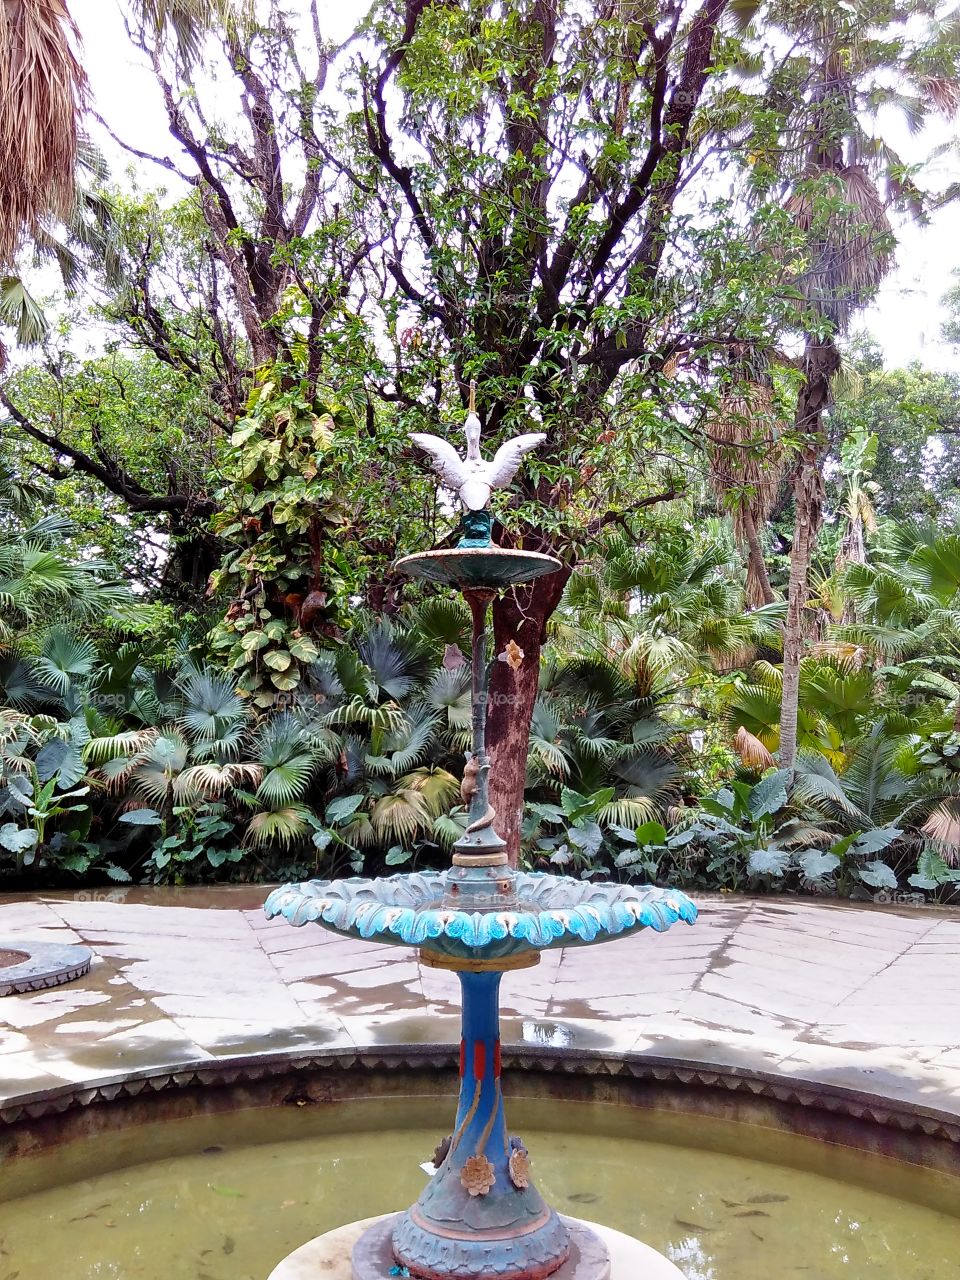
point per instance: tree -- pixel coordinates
(837, 206)
(912, 413)
(127, 447)
(528, 168)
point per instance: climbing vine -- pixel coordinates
(287, 572)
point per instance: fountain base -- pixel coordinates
(363, 1251)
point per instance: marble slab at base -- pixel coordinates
(330, 1256)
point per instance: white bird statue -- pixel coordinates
(471, 478)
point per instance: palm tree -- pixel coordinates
(847, 240)
(886, 786)
(39, 579)
(679, 604)
(597, 725)
(387, 720)
(205, 750)
(43, 92)
(747, 460)
(19, 496)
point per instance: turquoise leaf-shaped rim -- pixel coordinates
(556, 911)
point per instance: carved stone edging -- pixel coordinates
(676, 1073)
(46, 964)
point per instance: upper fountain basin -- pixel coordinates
(490, 566)
(553, 911)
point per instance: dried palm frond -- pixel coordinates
(945, 93)
(943, 828)
(746, 463)
(851, 247)
(845, 653)
(735, 659)
(751, 750)
(745, 451)
(43, 90)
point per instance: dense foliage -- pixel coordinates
(646, 233)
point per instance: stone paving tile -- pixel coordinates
(19, 917)
(286, 939)
(222, 1037)
(100, 918)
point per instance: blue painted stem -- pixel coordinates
(480, 1120)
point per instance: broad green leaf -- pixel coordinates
(876, 840)
(141, 818)
(769, 795)
(878, 875)
(651, 833)
(17, 839)
(341, 809)
(816, 864)
(768, 862)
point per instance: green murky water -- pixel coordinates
(233, 1209)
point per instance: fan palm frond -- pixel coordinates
(441, 620)
(943, 829)
(817, 784)
(395, 659)
(408, 747)
(400, 816)
(282, 826)
(211, 780)
(123, 745)
(20, 310)
(448, 692)
(211, 711)
(64, 657)
(629, 811)
(287, 760)
(440, 790)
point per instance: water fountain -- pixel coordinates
(480, 1217)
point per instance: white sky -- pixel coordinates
(905, 319)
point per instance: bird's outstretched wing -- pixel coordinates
(508, 457)
(444, 458)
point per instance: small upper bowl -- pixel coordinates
(478, 566)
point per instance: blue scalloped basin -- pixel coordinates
(555, 911)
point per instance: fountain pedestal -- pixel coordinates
(334, 1255)
(480, 1217)
(480, 1214)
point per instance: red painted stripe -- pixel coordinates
(479, 1060)
(496, 1059)
(463, 1058)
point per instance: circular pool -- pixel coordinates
(224, 1195)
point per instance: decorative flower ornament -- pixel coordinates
(477, 1175)
(519, 1165)
(453, 657)
(512, 655)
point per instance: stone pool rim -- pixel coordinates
(692, 1079)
